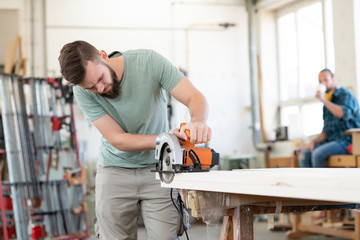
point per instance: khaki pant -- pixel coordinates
(119, 192)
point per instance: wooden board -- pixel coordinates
(14, 64)
(323, 184)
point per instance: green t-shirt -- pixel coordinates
(140, 108)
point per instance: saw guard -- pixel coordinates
(164, 139)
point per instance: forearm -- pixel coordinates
(321, 137)
(117, 137)
(133, 142)
(199, 109)
(187, 94)
(335, 109)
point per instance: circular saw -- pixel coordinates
(175, 158)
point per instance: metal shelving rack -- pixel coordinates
(39, 207)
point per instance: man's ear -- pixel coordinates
(103, 55)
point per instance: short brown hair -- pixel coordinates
(73, 59)
(329, 71)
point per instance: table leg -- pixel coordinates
(238, 225)
(243, 223)
(357, 226)
(227, 229)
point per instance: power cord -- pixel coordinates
(181, 215)
(195, 159)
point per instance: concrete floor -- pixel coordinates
(199, 231)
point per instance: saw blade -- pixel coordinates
(166, 172)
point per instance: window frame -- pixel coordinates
(300, 102)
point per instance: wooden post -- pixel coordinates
(357, 225)
(243, 223)
(295, 232)
(238, 224)
(227, 229)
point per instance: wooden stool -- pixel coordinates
(345, 161)
(301, 230)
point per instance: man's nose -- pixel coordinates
(100, 87)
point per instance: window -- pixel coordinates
(305, 46)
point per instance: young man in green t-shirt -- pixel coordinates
(123, 96)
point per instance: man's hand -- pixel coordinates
(309, 146)
(320, 138)
(336, 110)
(320, 95)
(199, 132)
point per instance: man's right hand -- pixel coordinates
(199, 131)
(310, 146)
(320, 95)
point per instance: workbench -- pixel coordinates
(239, 194)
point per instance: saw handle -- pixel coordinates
(187, 132)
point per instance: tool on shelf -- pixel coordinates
(77, 181)
(37, 209)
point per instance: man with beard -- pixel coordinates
(340, 113)
(123, 96)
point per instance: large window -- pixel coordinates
(305, 46)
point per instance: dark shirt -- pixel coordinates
(335, 127)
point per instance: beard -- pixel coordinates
(114, 90)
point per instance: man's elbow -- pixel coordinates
(345, 113)
(119, 142)
(341, 115)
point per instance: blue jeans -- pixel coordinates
(320, 154)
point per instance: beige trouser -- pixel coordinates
(119, 192)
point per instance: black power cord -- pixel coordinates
(181, 215)
(195, 159)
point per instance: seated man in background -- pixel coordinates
(340, 113)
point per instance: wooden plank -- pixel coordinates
(352, 130)
(13, 64)
(11, 55)
(323, 184)
(261, 105)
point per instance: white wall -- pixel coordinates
(218, 66)
(29, 13)
(218, 57)
(357, 42)
(7, 15)
(346, 55)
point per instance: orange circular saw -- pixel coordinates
(175, 157)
